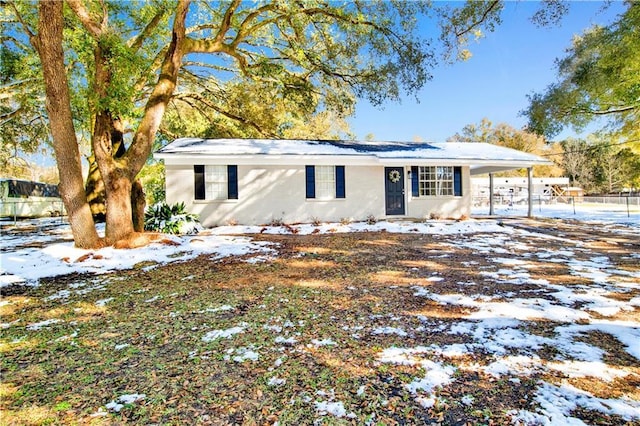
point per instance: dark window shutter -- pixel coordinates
(198, 182)
(232, 182)
(311, 181)
(340, 186)
(457, 181)
(415, 179)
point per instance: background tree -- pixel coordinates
(23, 119)
(576, 162)
(615, 168)
(598, 82)
(250, 109)
(124, 60)
(503, 134)
(600, 164)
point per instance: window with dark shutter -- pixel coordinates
(457, 181)
(415, 182)
(232, 182)
(311, 181)
(340, 182)
(198, 182)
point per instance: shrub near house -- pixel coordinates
(174, 219)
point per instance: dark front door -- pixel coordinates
(394, 190)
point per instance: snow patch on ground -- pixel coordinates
(117, 405)
(496, 325)
(223, 334)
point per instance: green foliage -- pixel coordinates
(599, 78)
(174, 219)
(309, 59)
(458, 29)
(247, 110)
(23, 130)
(152, 178)
(601, 164)
(505, 135)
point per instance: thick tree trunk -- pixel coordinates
(48, 43)
(119, 218)
(138, 204)
(124, 198)
(94, 186)
(117, 183)
(94, 190)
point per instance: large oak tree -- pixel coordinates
(124, 59)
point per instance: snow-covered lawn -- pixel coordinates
(586, 212)
(494, 320)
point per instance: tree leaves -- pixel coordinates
(599, 78)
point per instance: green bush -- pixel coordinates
(152, 177)
(162, 217)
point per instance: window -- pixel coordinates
(214, 182)
(435, 181)
(325, 182)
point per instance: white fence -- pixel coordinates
(566, 206)
(621, 199)
(16, 208)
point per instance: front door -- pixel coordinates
(394, 190)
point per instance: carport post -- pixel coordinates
(530, 183)
(490, 194)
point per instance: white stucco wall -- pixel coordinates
(277, 192)
(446, 207)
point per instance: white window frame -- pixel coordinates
(216, 182)
(436, 181)
(325, 181)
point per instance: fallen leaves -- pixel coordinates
(311, 315)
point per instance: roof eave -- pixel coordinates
(478, 166)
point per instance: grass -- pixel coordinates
(146, 336)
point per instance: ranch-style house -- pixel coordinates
(260, 181)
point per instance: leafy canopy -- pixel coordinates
(598, 79)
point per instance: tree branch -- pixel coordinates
(136, 42)
(484, 16)
(142, 143)
(243, 31)
(94, 28)
(226, 21)
(186, 97)
(26, 28)
(156, 64)
(5, 118)
(610, 110)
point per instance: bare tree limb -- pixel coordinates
(94, 28)
(22, 22)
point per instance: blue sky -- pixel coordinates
(513, 61)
